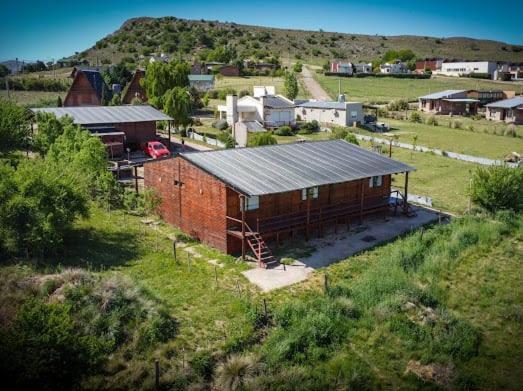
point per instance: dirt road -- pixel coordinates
(314, 88)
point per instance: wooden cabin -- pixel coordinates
(134, 89)
(238, 198)
(136, 123)
(88, 89)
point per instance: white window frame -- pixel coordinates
(251, 203)
(376, 181)
(312, 192)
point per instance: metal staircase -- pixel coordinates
(261, 251)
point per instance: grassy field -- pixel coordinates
(476, 142)
(385, 89)
(33, 97)
(365, 331)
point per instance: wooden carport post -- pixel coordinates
(242, 207)
(405, 203)
(169, 135)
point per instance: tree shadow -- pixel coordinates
(97, 250)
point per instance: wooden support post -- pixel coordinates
(326, 283)
(390, 148)
(361, 200)
(405, 201)
(320, 225)
(308, 217)
(169, 135)
(242, 207)
(136, 179)
(174, 251)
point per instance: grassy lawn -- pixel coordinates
(33, 97)
(210, 315)
(445, 180)
(476, 142)
(383, 90)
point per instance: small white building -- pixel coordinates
(363, 68)
(338, 113)
(394, 68)
(161, 58)
(465, 68)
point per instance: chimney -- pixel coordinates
(232, 109)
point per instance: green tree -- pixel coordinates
(43, 348)
(498, 187)
(262, 138)
(117, 74)
(49, 128)
(177, 104)
(297, 68)
(4, 71)
(14, 126)
(290, 85)
(161, 77)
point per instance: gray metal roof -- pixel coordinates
(286, 167)
(464, 100)
(442, 94)
(323, 105)
(507, 103)
(276, 102)
(201, 78)
(106, 114)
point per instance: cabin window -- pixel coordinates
(376, 181)
(311, 192)
(354, 114)
(251, 203)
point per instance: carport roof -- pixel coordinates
(106, 114)
(442, 94)
(287, 167)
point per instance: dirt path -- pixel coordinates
(314, 88)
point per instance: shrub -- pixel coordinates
(309, 127)
(351, 138)
(222, 94)
(498, 187)
(262, 138)
(43, 346)
(227, 139)
(415, 117)
(236, 372)
(456, 124)
(284, 131)
(432, 121)
(220, 124)
(212, 94)
(398, 105)
(510, 131)
(338, 133)
(203, 364)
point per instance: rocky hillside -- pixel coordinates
(189, 38)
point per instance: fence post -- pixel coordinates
(326, 283)
(216, 275)
(174, 251)
(157, 374)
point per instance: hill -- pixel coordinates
(143, 36)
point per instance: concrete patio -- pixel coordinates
(336, 247)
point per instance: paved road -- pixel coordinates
(314, 88)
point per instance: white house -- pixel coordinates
(395, 67)
(513, 71)
(362, 68)
(263, 110)
(338, 113)
(467, 67)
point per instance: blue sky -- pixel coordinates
(56, 28)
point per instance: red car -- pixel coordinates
(156, 149)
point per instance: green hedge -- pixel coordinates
(35, 84)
